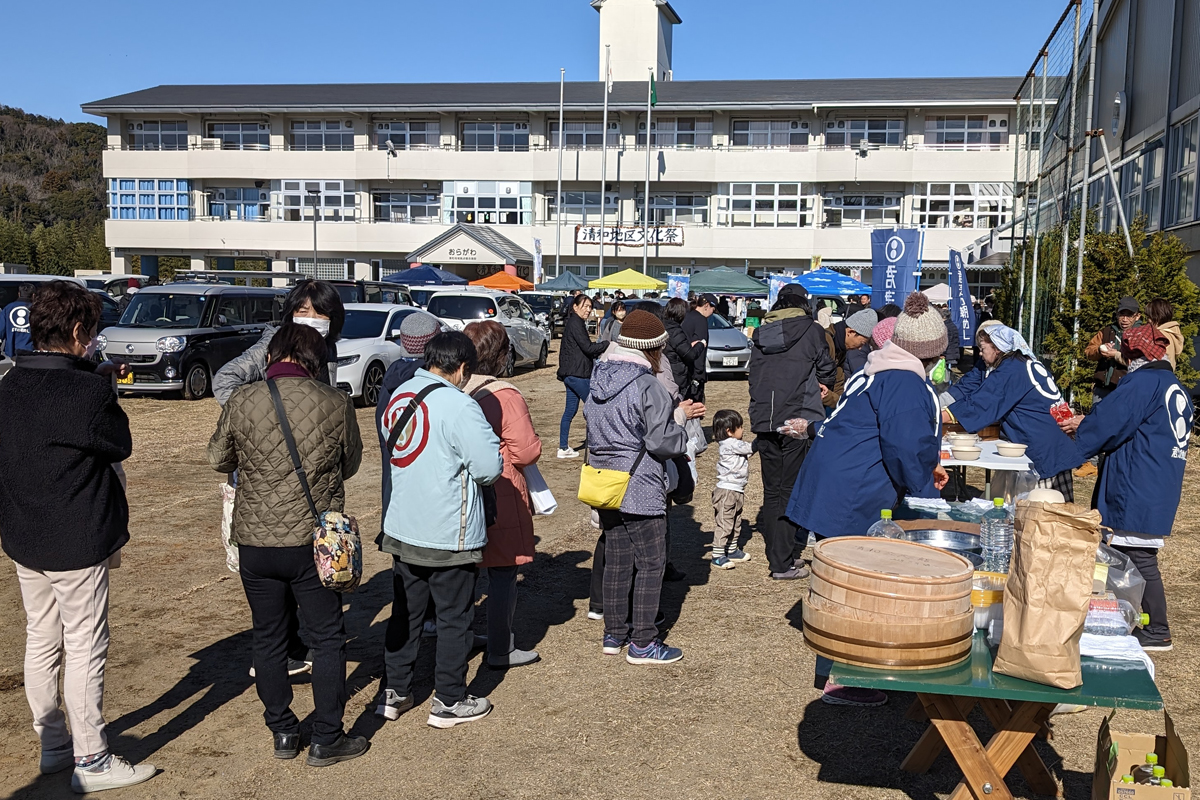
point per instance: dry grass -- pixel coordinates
(736, 718)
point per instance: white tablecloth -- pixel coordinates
(989, 459)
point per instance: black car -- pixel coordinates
(373, 292)
(110, 311)
(548, 309)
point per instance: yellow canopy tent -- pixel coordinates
(504, 282)
(628, 279)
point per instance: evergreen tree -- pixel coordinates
(14, 243)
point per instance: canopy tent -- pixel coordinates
(504, 282)
(424, 275)
(629, 279)
(939, 293)
(566, 282)
(827, 282)
(725, 280)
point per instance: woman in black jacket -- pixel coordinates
(575, 357)
(683, 355)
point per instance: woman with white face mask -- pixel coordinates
(316, 304)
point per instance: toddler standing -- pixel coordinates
(733, 470)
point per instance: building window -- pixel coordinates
(1141, 186)
(321, 134)
(334, 201)
(327, 269)
(505, 137)
(848, 132)
(762, 205)
(585, 135)
(781, 133)
(421, 207)
(679, 132)
(146, 198)
(967, 131)
(861, 210)
(157, 135)
(407, 135)
(583, 208)
(240, 135)
(677, 209)
(964, 205)
(239, 203)
(487, 202)
(1181, 179)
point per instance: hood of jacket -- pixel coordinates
(1174, 335)
(780, 333)
(894, 357)
(783, 313)
(609, 378)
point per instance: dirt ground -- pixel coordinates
(737, 717)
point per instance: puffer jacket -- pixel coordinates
(685, 358)
(269, 509)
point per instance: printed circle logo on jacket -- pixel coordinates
(19, 319)
(1180, 415)
(414, 437)
(1042, 380)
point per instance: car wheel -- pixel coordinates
(195, 381)
(371, 386)
(510, 366)
(543, 355)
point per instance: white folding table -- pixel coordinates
(989, 460)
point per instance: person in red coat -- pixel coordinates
(510, 538)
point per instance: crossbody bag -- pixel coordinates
(605, 489)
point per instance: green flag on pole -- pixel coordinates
(653, 91)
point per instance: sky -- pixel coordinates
(73, 51)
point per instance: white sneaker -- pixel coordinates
(568, 452)
(118, 773)
(596, 615)
(53, 761)
(469, 709)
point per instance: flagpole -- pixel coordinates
(646, 197)
(558, 198)
(604, 148)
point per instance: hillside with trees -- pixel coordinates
(52, 206)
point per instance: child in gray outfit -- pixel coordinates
(733, 470)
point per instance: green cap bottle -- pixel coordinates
(1159, 772)
(1126, 779)
(1151, 758)
(1166, 783)
(885, 513)
(1143, 620)
(998, 502)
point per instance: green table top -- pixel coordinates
(1110, 684)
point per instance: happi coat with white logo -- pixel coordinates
(1144, 426)
(1018, 395)
(879, 445)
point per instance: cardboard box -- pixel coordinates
(1118, 753)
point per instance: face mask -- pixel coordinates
(91, 347)
(320, 325)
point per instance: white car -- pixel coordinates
(529, 342)
(369, 343)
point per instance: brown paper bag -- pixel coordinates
(1046, 598)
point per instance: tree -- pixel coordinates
(14, 243)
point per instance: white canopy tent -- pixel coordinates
(938, 293)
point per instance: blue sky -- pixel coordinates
(65, 53)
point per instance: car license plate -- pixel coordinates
(127, 380)
(729, 361)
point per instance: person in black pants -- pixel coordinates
(695, 327)
(790, 370)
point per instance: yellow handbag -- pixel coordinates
(604, 489)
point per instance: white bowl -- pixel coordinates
(1010, 449)
(962, 453)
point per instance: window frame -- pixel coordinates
(888, 202)
(742, 205)
(666, 133)
(259, 134)
(302, 211)
(504, 202)
(330, 135)
(578, 211)
(401, 134)
(431, 206)
(894, 128)
(665, 209)
(517, 129)
(223, 207)
(957, 195)
(1184, 159)
(771, 137)
(138, 134)
(589, 135)
(168, 199)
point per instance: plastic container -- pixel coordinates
(996, 533)
(1112, 618)
(885, 527)
(1145, 772)
(987, 596)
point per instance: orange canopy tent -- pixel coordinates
(504, 282)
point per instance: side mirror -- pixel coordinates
(395, 334)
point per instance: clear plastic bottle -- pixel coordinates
(885, 527)
(1145, 772)
(1158, 774)
(996, 533)
(1113, 618)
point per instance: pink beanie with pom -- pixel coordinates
(882, 333)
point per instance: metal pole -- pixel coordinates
(1087, 158)
(315, 197)
(1070, 155)
(646, 197)
(604, 154)
(558, 198)
(1025, 216)
(1112, 177)
(1037, 217)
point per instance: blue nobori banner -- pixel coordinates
(895, 265)
(962, 311)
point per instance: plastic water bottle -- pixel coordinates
(996, 533)
(1113, 617)
(885, 527)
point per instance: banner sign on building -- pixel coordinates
(895, 265)
(537, 260)
(774, 284)
(678, 285)
(629, 237)
(962, 311)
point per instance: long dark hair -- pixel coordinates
(298, 343)
(325, 301)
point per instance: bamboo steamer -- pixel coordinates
(889, 603)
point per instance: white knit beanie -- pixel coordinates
(920, 329)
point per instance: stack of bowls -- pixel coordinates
(965, 446)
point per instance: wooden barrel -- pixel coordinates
(889, 603)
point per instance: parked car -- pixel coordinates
(547, 308)
(457, 307)
(176, 337)
(421, 295)
(369, 343)
(835, 304)
(110, 311)
(10, 284)
(114, 285)
(373, 292)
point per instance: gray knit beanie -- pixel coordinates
(863, 322)
(416, 329)
(920, 329)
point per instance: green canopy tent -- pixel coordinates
(724, 280)
(564, 283)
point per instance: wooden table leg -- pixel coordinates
(1036, 774)
(981, 779)
(1012, 740)
(930, 745)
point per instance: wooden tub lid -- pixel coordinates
(893, 559)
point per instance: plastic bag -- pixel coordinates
(1123, 578)
(696, 437)
(540, 495)
(231, 549)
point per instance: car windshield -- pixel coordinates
(539, 302)
(164, 310)
(363, 324)
(421, 296)
(348, 292)
(718, 323)
(456, 306)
